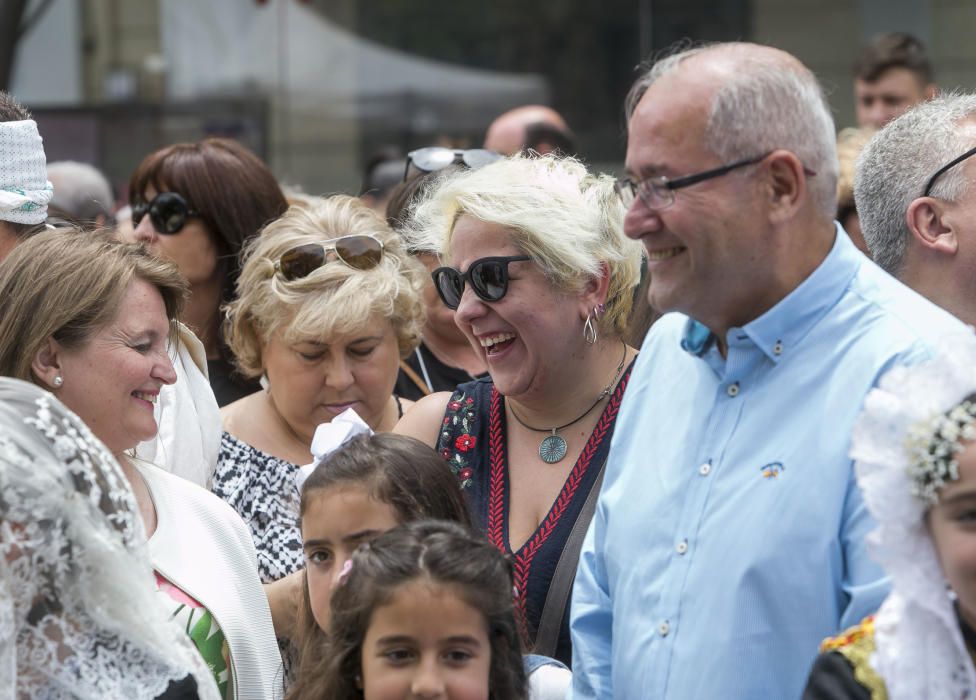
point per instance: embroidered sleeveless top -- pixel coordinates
(472, 440)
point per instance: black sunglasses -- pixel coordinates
(359, 251)
(436, 158)
(488, 278)
(168, 212)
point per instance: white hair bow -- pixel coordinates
(329, 437)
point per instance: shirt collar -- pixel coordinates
(780, 329)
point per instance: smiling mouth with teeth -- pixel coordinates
(493, 344)
(665, 253)
(151, 398)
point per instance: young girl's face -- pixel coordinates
(426, 642)
(336, 521)
(952, 524)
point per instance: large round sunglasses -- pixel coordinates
(168, 212)
(488, 278)
(359, 251)
(437, 158)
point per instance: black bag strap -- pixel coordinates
(557, 598)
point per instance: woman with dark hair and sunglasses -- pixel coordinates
(444, 357)
(196, 204)
(540, 276)
(327, 304)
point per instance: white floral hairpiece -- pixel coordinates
(933, 445)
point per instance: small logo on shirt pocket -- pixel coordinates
(772, 470)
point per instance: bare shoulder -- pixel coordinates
(235, 418)
(424, 419)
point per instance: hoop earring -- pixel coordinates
(589, 330)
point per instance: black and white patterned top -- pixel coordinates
(261, 488)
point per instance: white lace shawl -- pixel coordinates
(79, 616)
(920, 652)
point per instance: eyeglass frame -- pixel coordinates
(325, 258)
(678, 183)
(466, 277)
(146, 209)
(951, 164)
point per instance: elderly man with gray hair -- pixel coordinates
(729, 535)
(917, 204)
(24, 189)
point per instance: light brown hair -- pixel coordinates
(67, 284)
(333, 299)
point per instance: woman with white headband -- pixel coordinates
(915, 452)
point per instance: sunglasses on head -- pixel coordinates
(359, 251)
(436, 158)
(488, 278)
(168, 212)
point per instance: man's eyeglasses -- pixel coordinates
(488, 278)
(361, 252)
(436, 158)
(658, 192)
(168, 212)
(951, 164)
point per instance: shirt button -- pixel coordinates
(663, 629)
(705, 469)
(733, 389)
(778, 348)
(681, 547)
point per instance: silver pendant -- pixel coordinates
(552, 449)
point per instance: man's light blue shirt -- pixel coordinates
(729, 535)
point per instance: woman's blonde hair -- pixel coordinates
(67, 284)
(334, 299)
(568, 221)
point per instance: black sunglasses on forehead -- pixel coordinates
(435, 158)
(488, 278)
(168, 212)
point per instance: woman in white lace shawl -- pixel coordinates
(77, 612)
(90, 319)
(915, 457)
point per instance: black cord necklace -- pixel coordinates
(553, 447)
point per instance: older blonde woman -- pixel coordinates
(541, 278)
(90, 319)
(328, 303)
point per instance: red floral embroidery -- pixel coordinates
(465, 442)
(459, 421)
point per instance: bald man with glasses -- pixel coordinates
(729, 536)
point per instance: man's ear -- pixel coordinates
(926, 221)
(46, 365)
(786, 184)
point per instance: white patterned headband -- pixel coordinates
(24, 187)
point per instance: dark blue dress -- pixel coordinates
(472, 440)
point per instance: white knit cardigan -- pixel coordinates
(203, 547)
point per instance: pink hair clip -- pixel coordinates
(344, 572)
